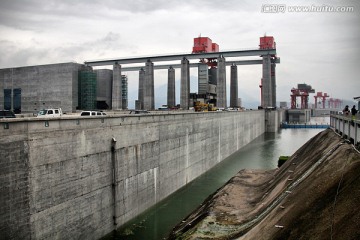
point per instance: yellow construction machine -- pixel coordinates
(204, 107)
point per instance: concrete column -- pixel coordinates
(171, 87)
(149, 100)
(116, 98)
(273, 84)
(185, 84)
(221, 84)
(141, 89)
(266, 93)
(233, 87)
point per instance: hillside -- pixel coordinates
(314, 195)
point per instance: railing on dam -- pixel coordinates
(347, 126)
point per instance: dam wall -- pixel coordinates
(82, 177)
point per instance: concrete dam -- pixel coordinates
(82, 177)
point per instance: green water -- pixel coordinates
(262, 153)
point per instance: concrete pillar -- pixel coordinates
(233, 87)
(221, 84)
(273, 84)
(149, 99)
(116, 98)
(171, 87)
(140, 104)
(104, 86)
(185, 84)
(266, 92)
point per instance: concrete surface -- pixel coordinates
(171, 102)
(104, 85)
(221, 99)
(116, 96)
(56, 175)
(234, 87)
(185, 84)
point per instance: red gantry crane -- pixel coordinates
(301, 91)
(322, 97)
(334, 103)
(205, 45)
(337, 103)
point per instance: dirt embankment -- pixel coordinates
(314, 195)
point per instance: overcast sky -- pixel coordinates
(317, 48)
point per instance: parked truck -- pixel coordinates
(50, 112)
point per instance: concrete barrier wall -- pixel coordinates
(348, 128)
(273, 119)
(69, 179)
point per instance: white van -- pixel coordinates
(51, 112)
(92, 113)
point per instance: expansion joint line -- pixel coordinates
(114, 178)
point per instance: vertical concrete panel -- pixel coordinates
(171, 88)
(149, 100)
(234, 86)
(203, 78)
(74, 91)
(185, 84)
(221, 100)
(266, 97)
(273, 84)
(104, 85)
(116, 88)
(14, 190)
(272, 120)
(141, 88)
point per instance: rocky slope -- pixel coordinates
(314, 195)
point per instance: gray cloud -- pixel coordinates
(18, 55)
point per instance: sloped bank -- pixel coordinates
(314, 195)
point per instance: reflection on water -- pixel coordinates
(262, 153)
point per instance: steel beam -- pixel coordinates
(195, 65)
(174, 57)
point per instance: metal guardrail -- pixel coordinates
(305, 125)
(347, 126)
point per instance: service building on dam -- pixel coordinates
(74, 177)
(70, 86)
